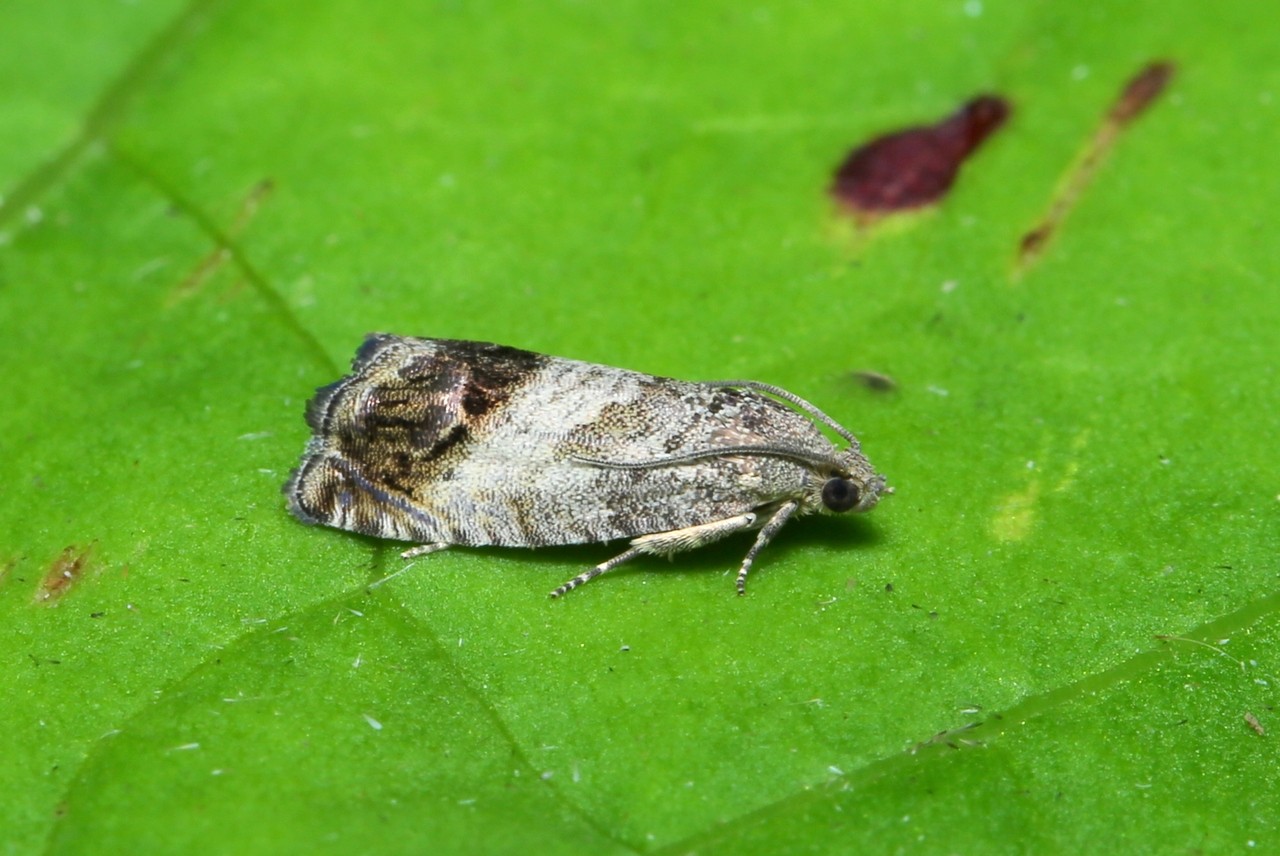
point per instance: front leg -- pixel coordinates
(776, 522)
(692, 537)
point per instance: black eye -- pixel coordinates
(840, 494)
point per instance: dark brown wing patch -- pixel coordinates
(416, 409)
(400, 421)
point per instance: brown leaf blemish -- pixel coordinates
(1140, 91)
(63, 573)
(1134, 99)
(916, 166)
(205, 269)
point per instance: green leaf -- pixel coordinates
(1049, 637)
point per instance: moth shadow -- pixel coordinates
(850, 536)
(845, 538)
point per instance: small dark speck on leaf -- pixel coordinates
(915, 166)
(875, 381)
(888, 587)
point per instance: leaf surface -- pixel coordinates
(1048, 637)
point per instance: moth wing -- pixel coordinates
(544, 487)
(471, 443)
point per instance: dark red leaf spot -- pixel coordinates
(916, 166)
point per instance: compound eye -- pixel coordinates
(840, 494)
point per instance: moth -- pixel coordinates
(443, 442)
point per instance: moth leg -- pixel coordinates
(665, 544)
(411, 553)
(424, 550)
(692, 537)
(776, 522)
(597, 571)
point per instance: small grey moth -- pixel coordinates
(444, 442)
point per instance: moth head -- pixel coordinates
(851, 485)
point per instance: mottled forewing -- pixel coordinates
(672, 419)
(544, 480)
(666, 418)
